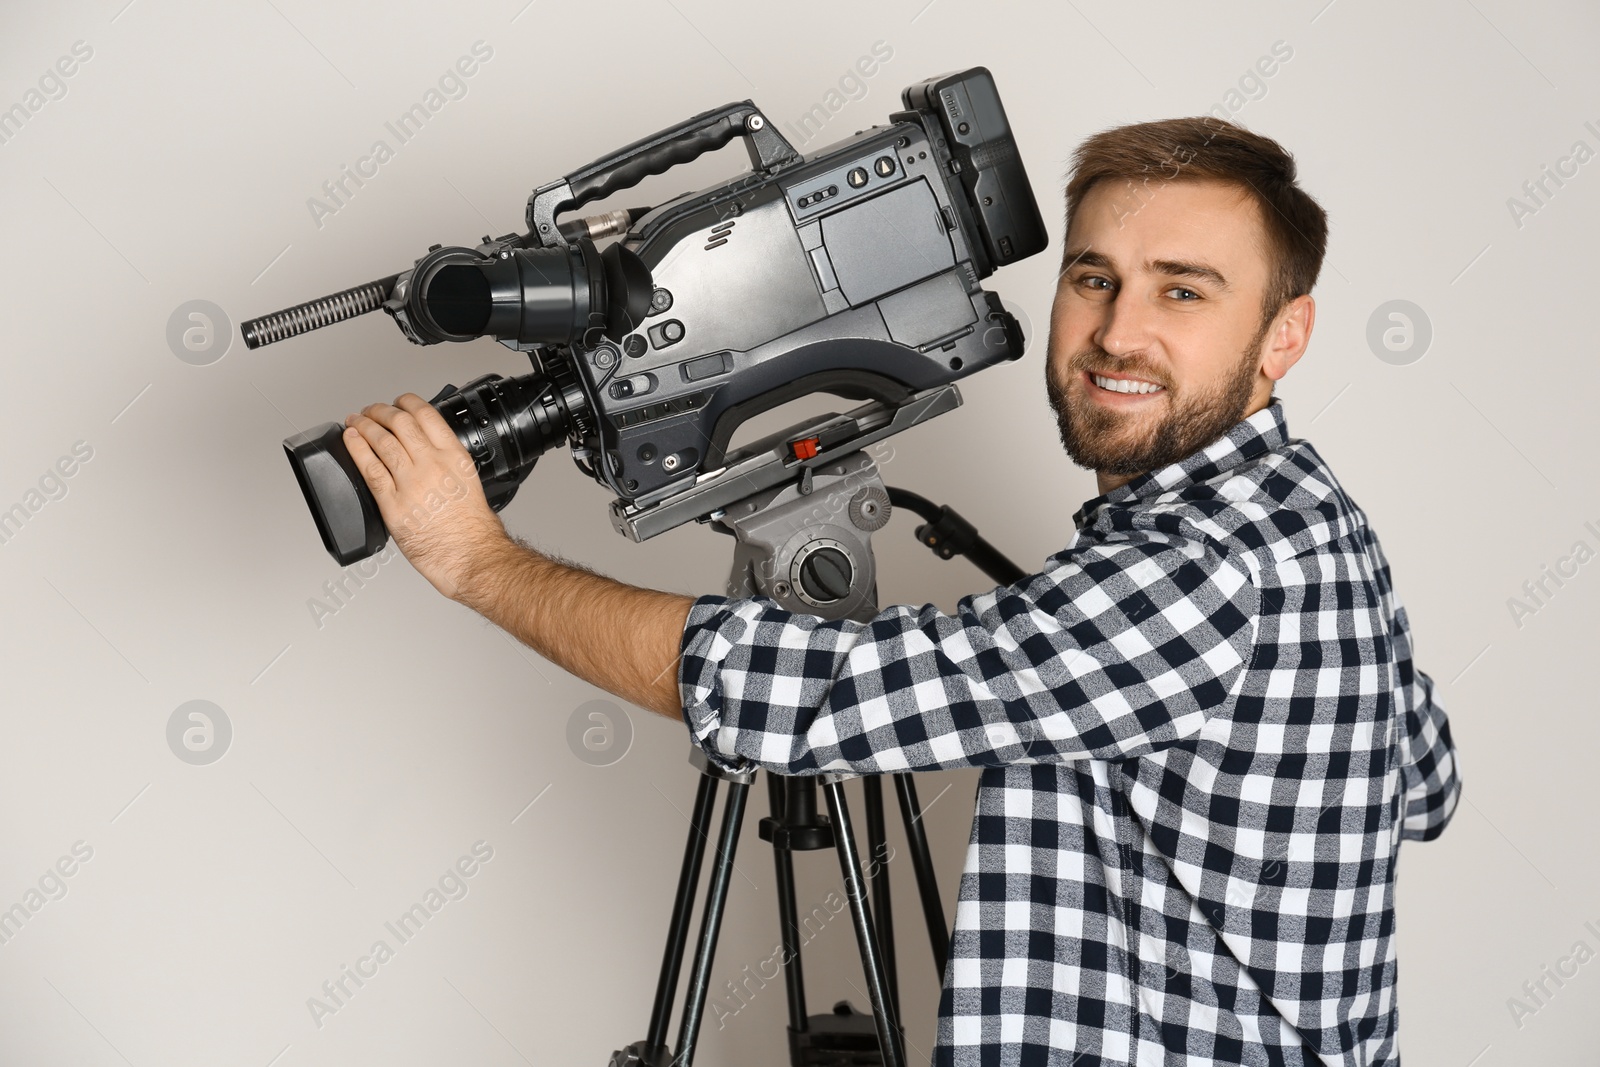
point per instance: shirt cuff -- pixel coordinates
(703, 647)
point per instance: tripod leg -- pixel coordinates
(855, 888)
(682, 904)
(783, 859)
(922, 863)
(716, 896)
(882, 906)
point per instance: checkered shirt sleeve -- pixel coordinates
(1429, 774)
(1115, 649)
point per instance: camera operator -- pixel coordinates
(1203, 734)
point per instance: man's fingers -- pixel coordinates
(431, 422)
(443, 438)
(383, 443)
(402, 426)
(371, 467)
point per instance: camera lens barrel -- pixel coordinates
(505, 424)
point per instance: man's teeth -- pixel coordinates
(1125, 385)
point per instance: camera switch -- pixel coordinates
(637, 385)
(666, 333)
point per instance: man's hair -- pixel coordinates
(1146, 154)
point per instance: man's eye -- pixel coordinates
(1181, 289)
(1087, 279)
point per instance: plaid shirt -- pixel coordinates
(1204, 741)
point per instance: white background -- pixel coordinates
(372, 751)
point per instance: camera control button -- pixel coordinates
(638, 385)
(884, 165)
(857, 177)
(666, 333)
(706, 367)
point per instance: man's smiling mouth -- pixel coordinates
(1124, 385)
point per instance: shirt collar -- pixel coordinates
(1261, 432)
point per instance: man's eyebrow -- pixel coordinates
(1085, 255)
(1178, 269)
(1173, 268)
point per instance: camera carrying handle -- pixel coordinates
(656, 154)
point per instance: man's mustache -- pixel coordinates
(1098, 361)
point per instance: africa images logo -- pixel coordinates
(451, 85)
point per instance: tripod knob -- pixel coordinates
(641, 1054)
(825, 575)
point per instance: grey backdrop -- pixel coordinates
(163, 555)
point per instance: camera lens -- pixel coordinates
(505, 424)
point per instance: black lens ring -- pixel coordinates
(487, 425)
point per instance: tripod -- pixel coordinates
(806, 543)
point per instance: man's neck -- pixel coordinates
(1107, 482)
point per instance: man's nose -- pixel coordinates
(1127, 325)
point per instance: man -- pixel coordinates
(1203, 735)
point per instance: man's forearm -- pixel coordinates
(616, 636)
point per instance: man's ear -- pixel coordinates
(1286, 342)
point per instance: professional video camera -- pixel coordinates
(854, 271)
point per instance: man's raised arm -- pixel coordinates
(619, 637)
(1115, 650)
(616, 636)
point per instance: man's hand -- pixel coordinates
(427, 489)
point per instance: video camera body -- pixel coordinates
(854, 272)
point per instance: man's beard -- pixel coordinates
(1116, 442)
